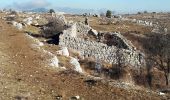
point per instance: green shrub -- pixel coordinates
(108, 14)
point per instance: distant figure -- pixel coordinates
(98, 66)
(86, 21)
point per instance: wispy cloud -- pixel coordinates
(32, 4)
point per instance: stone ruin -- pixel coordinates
(128, 55)
(101, 51)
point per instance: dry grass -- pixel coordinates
(123, 27)
(33, 81)
(32, 29)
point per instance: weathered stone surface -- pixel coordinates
(53, 62)
(65, 51)
(73, 38)
(76, 65)
(28, 21)
(101, 51)
(72, 31)
(19, 26)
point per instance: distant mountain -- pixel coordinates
(38, 10)
(80, 11)
(74, 10)
(70, 10)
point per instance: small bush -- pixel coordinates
(108, 14)
(51, 11)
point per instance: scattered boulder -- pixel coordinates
(19, 26)
(75, 98)
(161, 93)
(53, 62)
(93, 32)
(59, 97)
(76, 65)
(14, 23)
(28, 21)
(65, 51)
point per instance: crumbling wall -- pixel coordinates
(116, 39)
(83, 29)
(110, 54)
(73, 38)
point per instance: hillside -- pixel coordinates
(27, 74)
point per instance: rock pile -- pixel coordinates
(28, 21)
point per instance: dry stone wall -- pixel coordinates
(110, 54)
(73, 38)
(83, 29)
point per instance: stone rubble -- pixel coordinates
(99, 50)
(17, 25)
(28, 21)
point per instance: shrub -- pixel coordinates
(139, 13)
(51, 11)
(108, 14)
(145, 12)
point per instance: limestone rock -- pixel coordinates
(19, 26)
(65, 51)
(53, 62)
(93, 32)
(76, 65)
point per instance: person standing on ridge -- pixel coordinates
(86, 21)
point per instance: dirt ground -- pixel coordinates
(23, 77)
(122, 27)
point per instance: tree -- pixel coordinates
(109, 14)
(13, 12)
(139, 13)
(145, 12)
(51, 11)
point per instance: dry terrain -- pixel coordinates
(24, 77)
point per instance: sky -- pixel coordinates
(114, 5)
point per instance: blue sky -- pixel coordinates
(116, 5)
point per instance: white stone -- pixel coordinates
(76, 64)
(94, 32)
(53, 62)
(14, 23)
(160, 93)
(165, 30)
(28, 21)
(38, 43)
(65, 51)
(37, 17)
(19, 26)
